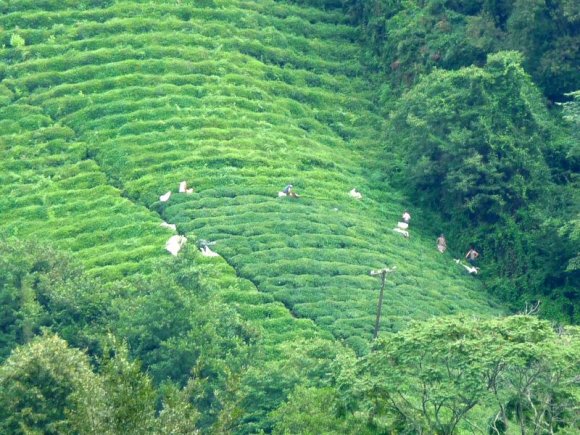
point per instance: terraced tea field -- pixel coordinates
(105, 108)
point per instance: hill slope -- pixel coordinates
(105, 109)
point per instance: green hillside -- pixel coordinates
(106, 105)
(107, 108)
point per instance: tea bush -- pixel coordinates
(239, 99)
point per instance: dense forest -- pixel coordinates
(465, 112)
(486, 126)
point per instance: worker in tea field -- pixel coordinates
(472, 255)
(289, 192)
(441, 244)
(406, 217)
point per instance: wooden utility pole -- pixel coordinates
(383, 273)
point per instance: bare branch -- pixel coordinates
(531, 309)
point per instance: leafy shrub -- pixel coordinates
(17, 41)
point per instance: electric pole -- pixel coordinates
(383, 272)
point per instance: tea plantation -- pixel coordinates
(106, 105)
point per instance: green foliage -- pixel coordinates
(327, 4)
(570, 228)
(310, 411)
(130, 393)
(177, 415)
(179, 332)
(435, 375)
(300, 364)
(166, 329)
(476, 142)
(110, 105)
(17, 41)
(42, 287)
(47, 387)
(474, 138)
(547, 33)
(410, 39)
(238, 100)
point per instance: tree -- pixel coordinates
(546, 32)
(48, 387)
(412, 38)
(43, 287)
(183, 335)
(571, 228)
(269, 381)
(473, 139)
(177, 416)
(476, 143)
(424, 379)
(409, 39)
(310, 411)
(436, 375)
(130, 393)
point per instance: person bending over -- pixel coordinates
(288, 190)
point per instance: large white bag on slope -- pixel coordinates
(175, 243)
(206, 252)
